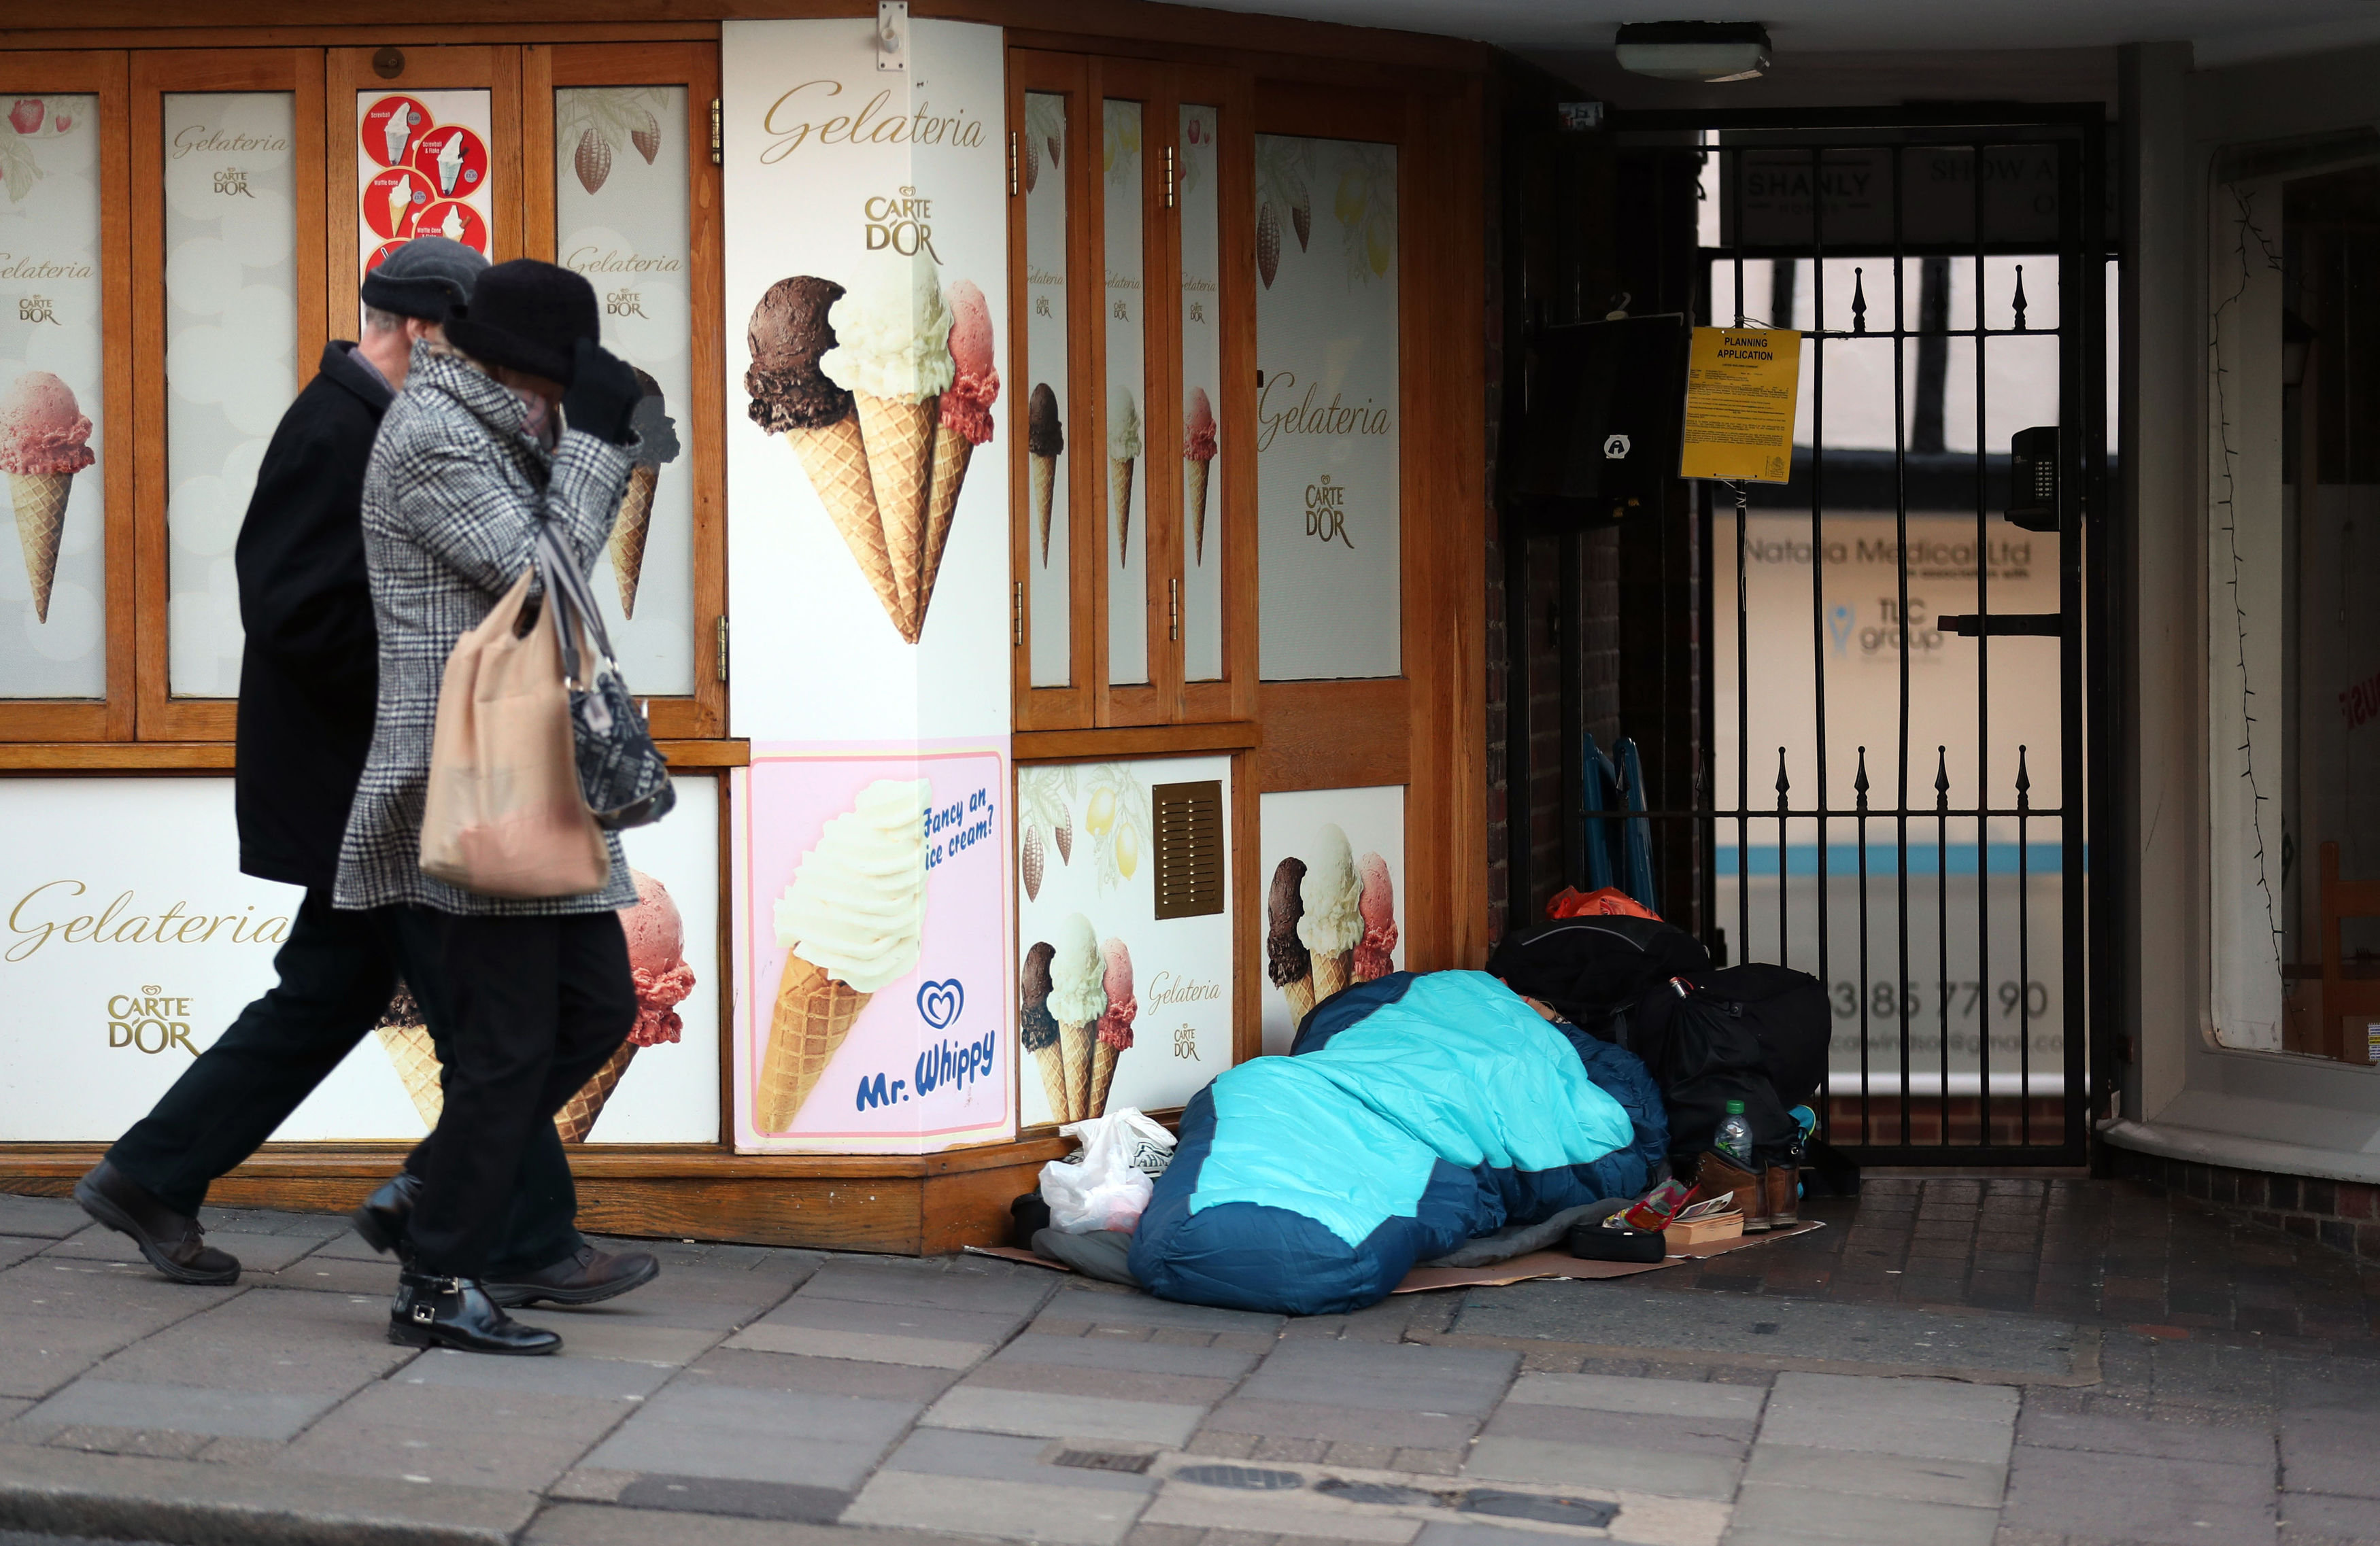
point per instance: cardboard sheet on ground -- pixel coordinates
(1519, 1269)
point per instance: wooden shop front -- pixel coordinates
(1140, 698)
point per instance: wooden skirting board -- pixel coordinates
(900, 1204)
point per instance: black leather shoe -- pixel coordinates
(382, 1219)
(432, 1312)
(173, 1243)
(586, 1276)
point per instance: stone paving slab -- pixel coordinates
(973, 1284)
(1121, 1385)
(67, 1493)
(579, 1525)
(1791, 1517)
(1757, 1329)
(1000, 1456)
(1607, 1393)
(1725, 1437)
(1032, 1413)
(1147, 1357)
(1084, 1306)
(49, 1218)
(16, 1247)
(1967, 1483)
(2137, 1497)
(1605, 1467)
(2172, 1440)
(1018, 1510)
(793, 1371)
(427, 1434)
(1403, 1430)
(755, 1435)
(179, 1408)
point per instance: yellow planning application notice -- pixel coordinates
(1741, 386)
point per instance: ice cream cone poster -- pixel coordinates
(423, 171)
(662, 1085)
(621, 192)
(1049, 553)
(873, 983)
(1115, 1006)
(866, 289)
(52, 405)
(1122, 465)
(1328, 536)
(1202, 369)
(1333, 863)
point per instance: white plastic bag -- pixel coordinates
(1107, 1185)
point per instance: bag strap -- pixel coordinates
(573, 601)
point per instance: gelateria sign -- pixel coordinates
(59, 912)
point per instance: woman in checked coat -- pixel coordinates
(472, 459)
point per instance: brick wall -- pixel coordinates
(2344, 1216)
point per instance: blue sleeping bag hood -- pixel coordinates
(1414, 1113)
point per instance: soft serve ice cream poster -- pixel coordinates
(868, 475)
(871, 980)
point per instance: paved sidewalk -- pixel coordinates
(760, 1397)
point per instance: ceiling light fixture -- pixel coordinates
(1709, 52)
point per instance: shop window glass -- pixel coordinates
(1048, 550)
(231, 353)
(52, 434)
(621, 218)
(1202, 364)
(1126, 532)
(2324, 347)
(1329, 603)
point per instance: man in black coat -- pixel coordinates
(307, 686)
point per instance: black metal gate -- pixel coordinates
(1893, 748)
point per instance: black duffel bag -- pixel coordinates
(1593, 969)
(1753, 1033)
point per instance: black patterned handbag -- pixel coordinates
(621, 775)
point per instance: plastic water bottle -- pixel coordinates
(1735, 1136)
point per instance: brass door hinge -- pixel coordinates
(1017, 617)
(1011, 163)
(1169, 176)
(1173, 598)
(718, 137)
(720, 659)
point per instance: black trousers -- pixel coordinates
(337, 971)
(533, 1006)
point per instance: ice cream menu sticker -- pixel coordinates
(52, 400)
(424, 171)
(872, 985)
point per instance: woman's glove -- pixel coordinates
(602, 395)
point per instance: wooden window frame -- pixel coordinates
(113, 717)
(298, 72)
(694, 65)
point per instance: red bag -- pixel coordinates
(1572, 903)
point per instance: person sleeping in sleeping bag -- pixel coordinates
(1415, 1111)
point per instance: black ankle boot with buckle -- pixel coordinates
(433, 1312)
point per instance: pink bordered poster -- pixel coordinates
(871, 963)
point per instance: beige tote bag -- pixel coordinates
(505, 816)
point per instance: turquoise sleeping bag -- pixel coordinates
(1419, 1111)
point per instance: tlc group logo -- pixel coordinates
(148, 1021)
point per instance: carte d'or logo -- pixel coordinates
(622, 303)
(148, 1021)
(48, 912)
(233, 180)
(805, 114)
(903, 223)
(1326, 511)
(37, 309)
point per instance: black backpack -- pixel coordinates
(1753, 1033)
(1593, 969)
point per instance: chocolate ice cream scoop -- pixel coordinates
(789, 333)
(655, 427)
(1286, 957)
(1043, 435)
(1037, 1027)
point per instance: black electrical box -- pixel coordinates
(1595, 435)
(2033, 479)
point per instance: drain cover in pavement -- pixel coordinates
(1103, 1460)
(1246, 1479)
(1589, 1512)
(1375, 1492)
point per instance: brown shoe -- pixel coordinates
(586, 1276)
(1781, 1186)
(1717, 1175)
(173, 1243)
